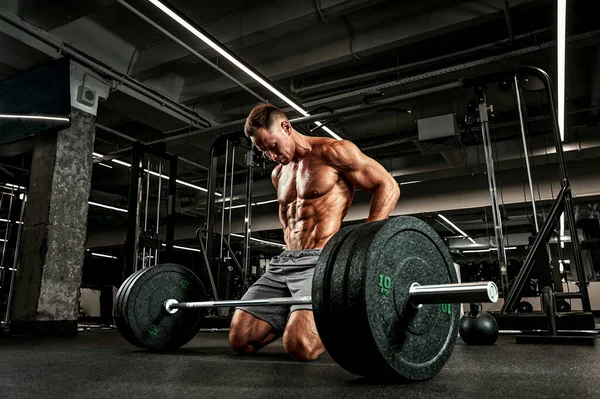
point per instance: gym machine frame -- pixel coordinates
(8, 273)
(138, 153)
(562, 204)
(226, 145)
(535, 79)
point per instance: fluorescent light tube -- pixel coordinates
(107, 206)
(36, 117)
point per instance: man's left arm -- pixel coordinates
(366, 174)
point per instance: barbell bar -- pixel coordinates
(485, 291)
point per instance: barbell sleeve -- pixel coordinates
(485, 291)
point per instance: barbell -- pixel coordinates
(385, 300)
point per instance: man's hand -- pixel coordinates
(366, 174)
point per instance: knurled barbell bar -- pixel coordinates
(390, 286)
(485, 291)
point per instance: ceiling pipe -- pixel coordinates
(387, 71)
(509, 26)
(363, 108)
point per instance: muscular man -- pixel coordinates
(315, 180)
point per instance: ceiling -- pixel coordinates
(336, 54)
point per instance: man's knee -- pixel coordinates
(239, 338)
(239, 342)
(302, 347)
(248, 334)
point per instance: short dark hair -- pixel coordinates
(262, 116)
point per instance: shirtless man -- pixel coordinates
(315, 180)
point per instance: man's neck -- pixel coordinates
(303, 147)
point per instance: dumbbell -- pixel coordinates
(390, 286)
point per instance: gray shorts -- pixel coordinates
(290, 275)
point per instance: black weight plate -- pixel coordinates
(119, 316)
(355, 305)
(321, 285)
(342, 321)
(143, 307)
(414, 344)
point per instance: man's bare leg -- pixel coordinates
(247, 334)
(300, 338)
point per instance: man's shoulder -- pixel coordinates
(275, 173)
(331, 149)
(277, 170)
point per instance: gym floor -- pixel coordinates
(100, 363)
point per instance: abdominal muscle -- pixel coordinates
(310, 223)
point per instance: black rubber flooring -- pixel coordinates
(101, 364)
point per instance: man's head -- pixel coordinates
(271, 132)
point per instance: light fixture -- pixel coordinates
(469, 251)
(10, 221)
(107, 206)
(465, 235)
(104, 256)
(237, 63)
(404, 183)
(15, 186)
(253, 204)
(184, 248)
(34, 117)
(561, 267)
(261, 241)
(183, 183)
(561, 24)
(106, 166)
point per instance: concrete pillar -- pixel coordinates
(48, 279)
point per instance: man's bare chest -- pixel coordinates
(305, 180)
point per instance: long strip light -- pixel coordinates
(183, 183)
(253, 204)
(107, 206)
(34, 117)
(465, 235)
(103, 256)
(561, 23)
(484, 250)
(237, 63)
(10, 221)
(15, 186)
(261, 241)
(184, 248)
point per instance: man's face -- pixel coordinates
(275, 142)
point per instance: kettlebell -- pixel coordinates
(478, 327)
